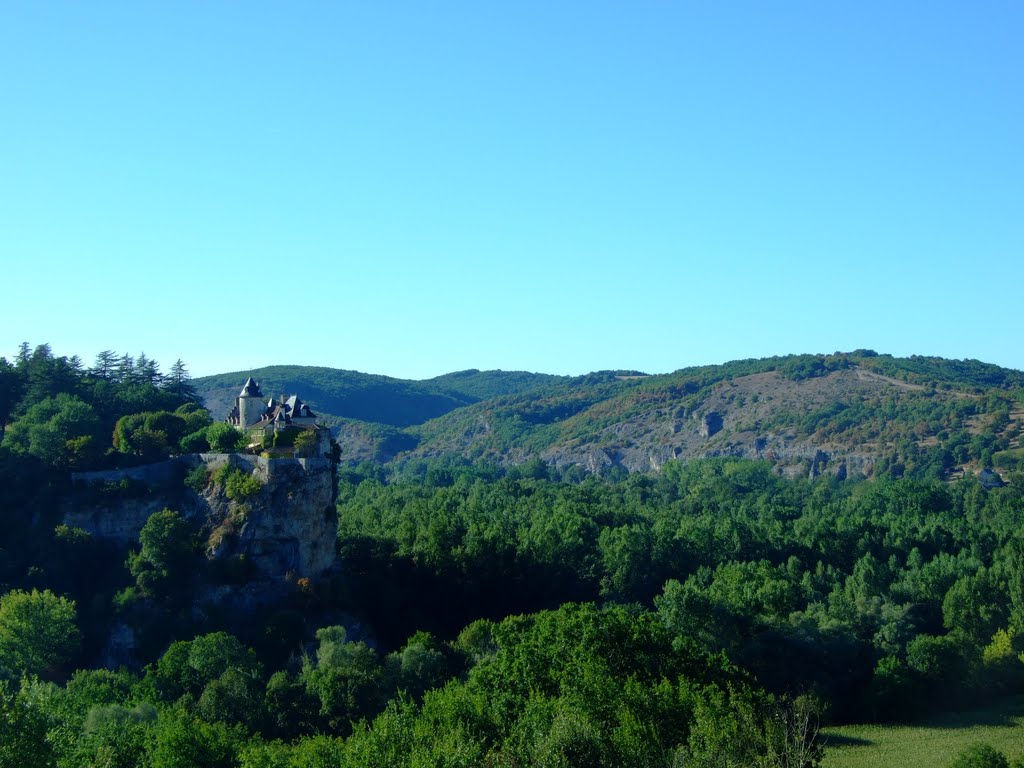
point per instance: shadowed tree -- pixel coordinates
(38, 633)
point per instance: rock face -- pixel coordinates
(711, 424)
(729, 423)
(764, 416)
(287, 530)
(284, 530)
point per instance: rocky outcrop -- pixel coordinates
(287, 530)
(283, 528)
(650, 439)
(116, 517)
(711, 424)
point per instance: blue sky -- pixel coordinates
(417, 188)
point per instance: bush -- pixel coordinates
(285, 438)
(306, 443)
(1009, 459)
(195, 442)
(197, 479)
(238, 485)
(980, 756)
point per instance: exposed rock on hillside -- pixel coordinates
(287, 528)
(841, 423)
(845, 414)
(729, 423)
(284, 527)
(711, 424)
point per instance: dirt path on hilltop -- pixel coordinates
(871, 375)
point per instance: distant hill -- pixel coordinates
(848, 414)
(342, 395)
(483, 385)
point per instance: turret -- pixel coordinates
(250, 404)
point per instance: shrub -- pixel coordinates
(306, 443)
(195, 442)
(980, 756)
(285, 438)
(197, 479)
(238, 485)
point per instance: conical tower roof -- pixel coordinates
(251, 389)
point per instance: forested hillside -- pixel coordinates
(702, 613)
(848, 414)
(339, 395)
(858, 413)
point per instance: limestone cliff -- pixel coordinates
(286, 529)
(282, 526)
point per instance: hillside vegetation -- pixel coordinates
(847, 414)
(529, 609)
(339, 395)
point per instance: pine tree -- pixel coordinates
(179, 381)
(147, 370)
(105, 366)
(126, 370)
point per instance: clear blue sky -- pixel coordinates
(416, 188)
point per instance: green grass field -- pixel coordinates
(929, 744)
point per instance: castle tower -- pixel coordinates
(250, 404)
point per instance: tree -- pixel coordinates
(195, 416)
(125, 373)
(418, 667)
(23, 741)
(11, 384)
(147, 370)
(45, 376)
(62, 431)
(1001, 661)
(236, 696)
(306, 443)
(222, 437)
(151, 435)
(291, 709)
(195, 442)
(105, 366)
(181, 740)
(218, 672)
(115, 736)
(38, 633)
(346, 678)
(975, 607)
(179, 382)
(163, 563)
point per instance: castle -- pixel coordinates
(265, 420)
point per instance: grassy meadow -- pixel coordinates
(929, 744)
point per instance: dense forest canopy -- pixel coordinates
(711, 613)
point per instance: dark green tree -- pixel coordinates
(346, 678)
(105, 365)
(62, 431)
(11, 385)
(178, 381)
(162, 567)
(223, 438)
(38, 633)
(23, 732)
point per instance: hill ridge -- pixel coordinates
(857, 413)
